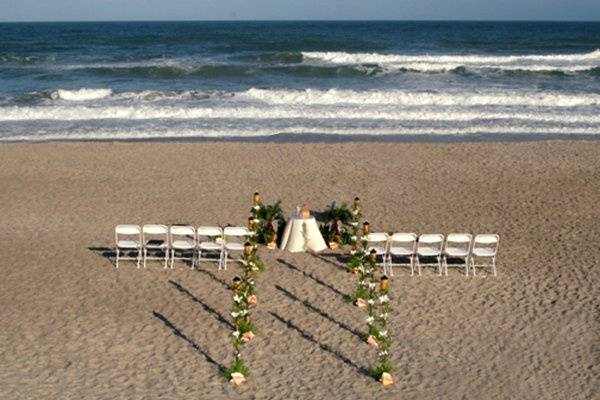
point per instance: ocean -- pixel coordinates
(176, 80)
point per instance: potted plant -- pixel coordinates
(268, 214)
(336, 220)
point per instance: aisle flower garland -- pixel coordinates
(244, 300)
(382, 371)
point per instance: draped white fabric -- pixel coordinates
(302, 234)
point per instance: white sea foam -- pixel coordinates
(81, 94)
(440, 63)
(298, 97)
(143, 112)
(374, 58)
(102, 113)
(404, 98)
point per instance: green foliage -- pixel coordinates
(377, 371)
(360, 293)
(373, 331)
(336, 223)
(244, 327)
(267, 214)
(237, 366)
(271, 212)
(353, 264)
(256, 262)
(345, 237)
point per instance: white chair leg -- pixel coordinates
(473, 268)
(445, 265)
(166, 257)
(145, 256)
(172, 257)
(494, 265)
(193, 260)
(412, 266)
(139, 257)
(117, 261)
(418, 265)
(467, 266)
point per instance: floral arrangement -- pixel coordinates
(380, 337)
(368, 286)
(244, 299)
(360, 265)
(356, 251)
(376, 303)
(264, 217)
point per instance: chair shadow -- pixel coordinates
(456, 263)
(106, 252)
(322, 346)
(322, 313)
(196, 347)
(344, 296)
(215, 278)
(205, 306)
(340, 258)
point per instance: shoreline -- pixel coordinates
(312, 138)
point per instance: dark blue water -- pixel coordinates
(208, 79)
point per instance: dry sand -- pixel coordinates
(74, 327)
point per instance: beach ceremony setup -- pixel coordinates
(75, 325)
(288, 200)
(301, 233)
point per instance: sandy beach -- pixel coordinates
(74, 327)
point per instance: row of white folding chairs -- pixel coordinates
(202, 241)
(432, 245)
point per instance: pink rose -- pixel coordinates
(361, 303)
(372, 341)
(248, 336)
(252, 299)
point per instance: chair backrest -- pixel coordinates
(486, 240)
(213, 233)
(183, 231)
(401, 237)
(431, 240)
(377, 237)
(408, 239)
(460, 239)
(154, 230)
(210, 231)
(128, 230)
(236, 231)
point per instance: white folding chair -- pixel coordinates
(210, 242)
(128, 238)
(234, 237)
(458, 245)
(485, 246)
(155, 238)
(402, 245)
(378, 241)
(430, 246)
(183, 240)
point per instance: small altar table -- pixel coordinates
(302, 234)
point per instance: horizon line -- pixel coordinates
(297, 20)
